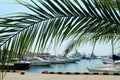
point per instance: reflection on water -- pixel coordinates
(80, 66)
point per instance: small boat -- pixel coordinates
(117, 62)
(108, 61)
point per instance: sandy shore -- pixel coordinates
(39, 76)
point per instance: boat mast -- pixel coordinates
(112, 50)
(92, 54)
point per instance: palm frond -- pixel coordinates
(58, 20)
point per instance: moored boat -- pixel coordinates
(37, 61)
(105, 68)
(75, 56)
(21, 65)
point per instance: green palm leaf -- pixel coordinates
(56, 21)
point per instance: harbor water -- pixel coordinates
(79, 66)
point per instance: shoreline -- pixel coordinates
(40, 76)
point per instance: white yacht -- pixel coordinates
(75, 56)
(68, 59)
(58, 61)
(61, 60)
(37, 61)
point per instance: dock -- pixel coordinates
(39, 76)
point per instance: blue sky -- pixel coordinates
(6, 8)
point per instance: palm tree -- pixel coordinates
(80, 21)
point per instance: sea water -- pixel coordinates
(79, 66)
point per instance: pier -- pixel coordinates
(39, 76)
